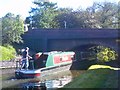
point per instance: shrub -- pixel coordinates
(7, 53)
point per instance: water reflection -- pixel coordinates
(7, 74)
(34, 85)
(46, 85)
(46, 82)
(58, 83)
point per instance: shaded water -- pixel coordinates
(56, 80)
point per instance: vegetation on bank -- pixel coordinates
(102, 66)
(96, 77)
(7, 53)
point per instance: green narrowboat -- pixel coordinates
(46, 62)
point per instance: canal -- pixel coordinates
(50, 81)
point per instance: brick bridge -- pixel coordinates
(72, 39)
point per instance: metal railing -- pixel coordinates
(19, 65)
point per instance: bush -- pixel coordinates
(7, 53)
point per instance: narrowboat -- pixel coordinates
(46, 63)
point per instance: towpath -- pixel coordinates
(7, 64)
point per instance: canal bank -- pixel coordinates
(102, 76)
(7, 64)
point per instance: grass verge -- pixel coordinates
(95, 78)
(7, 53)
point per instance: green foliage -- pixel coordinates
(103, 54)
(43, 15)
(12, 28)
(7, 52)
(102, 15)
(66, 22)
(118, 15)
(48, 15)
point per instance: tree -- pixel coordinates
(12, 29)
(100, 15)
(67, 18)
(103, 15)
(43, 15)
(118, 15)
(64, 18)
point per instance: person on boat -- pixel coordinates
(25, 58)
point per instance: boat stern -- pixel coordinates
(20, 74)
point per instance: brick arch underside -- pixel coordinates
(80, 44)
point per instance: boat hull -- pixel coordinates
(36, 73)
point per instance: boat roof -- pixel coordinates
(58, 52)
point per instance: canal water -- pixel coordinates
(47, 82)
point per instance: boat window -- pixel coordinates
(43, 57)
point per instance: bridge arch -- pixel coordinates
(48, 40)
(95, 50)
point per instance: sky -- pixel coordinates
(22, 7)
